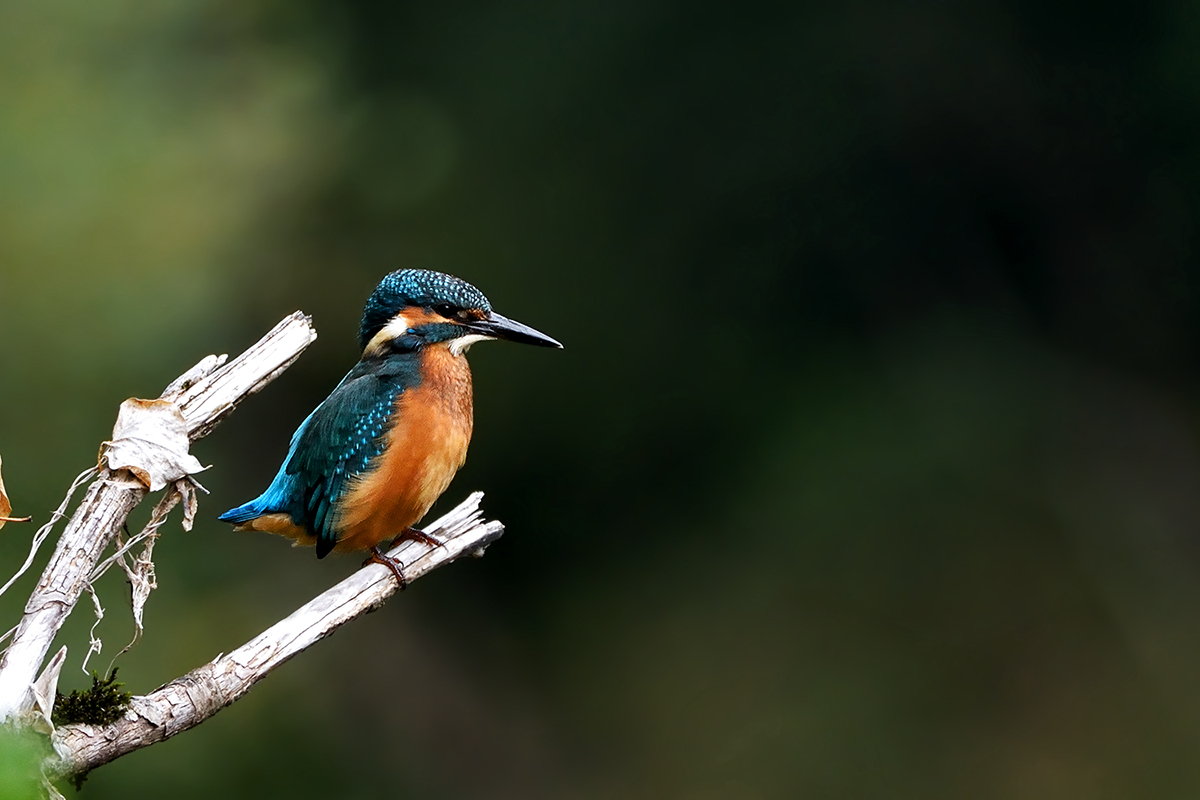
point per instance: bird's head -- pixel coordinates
(411, 308)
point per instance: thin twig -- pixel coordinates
(44, 531)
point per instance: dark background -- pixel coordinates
(870, 468)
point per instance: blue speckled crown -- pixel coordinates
(415, 287)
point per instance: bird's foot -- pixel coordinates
(414, 535)
(394, 564)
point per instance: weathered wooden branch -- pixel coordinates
(193, 698)
(200, 398)
(204, 395)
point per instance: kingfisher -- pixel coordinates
(367, 464)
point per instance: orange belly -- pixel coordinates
(422, 452)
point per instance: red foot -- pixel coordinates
(414, 535)
(395, 565)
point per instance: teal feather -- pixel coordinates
(336, 444)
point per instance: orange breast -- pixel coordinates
(423, 451)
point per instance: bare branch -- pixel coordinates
(209, 398)
(204, 394)
(193, 698)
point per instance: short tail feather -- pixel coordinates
(243, 513)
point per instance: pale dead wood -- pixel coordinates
(189, 700)
(207, 398)
(204, 394)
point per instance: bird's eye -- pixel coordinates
(446, 310)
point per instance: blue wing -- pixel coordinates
(336, 443)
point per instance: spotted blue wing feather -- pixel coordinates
(341, 439)
(336, 443)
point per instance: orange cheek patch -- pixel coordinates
(419, 316)
(398, 326)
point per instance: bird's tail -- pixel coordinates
(243, 513)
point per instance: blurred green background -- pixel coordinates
(870, 468)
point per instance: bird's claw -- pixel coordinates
(414, 535)
(394, 564)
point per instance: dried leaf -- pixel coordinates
(140, 573)
(142, 581)
(150, 440)
(6, 507)
(191, 503)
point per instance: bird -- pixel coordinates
(368, 463)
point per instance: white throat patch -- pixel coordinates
(459, 346)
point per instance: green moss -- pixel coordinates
(102, 704)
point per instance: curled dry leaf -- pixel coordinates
(6, 507)
(150, 440)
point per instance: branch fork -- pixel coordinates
(149, 451)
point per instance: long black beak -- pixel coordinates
(498, 326)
